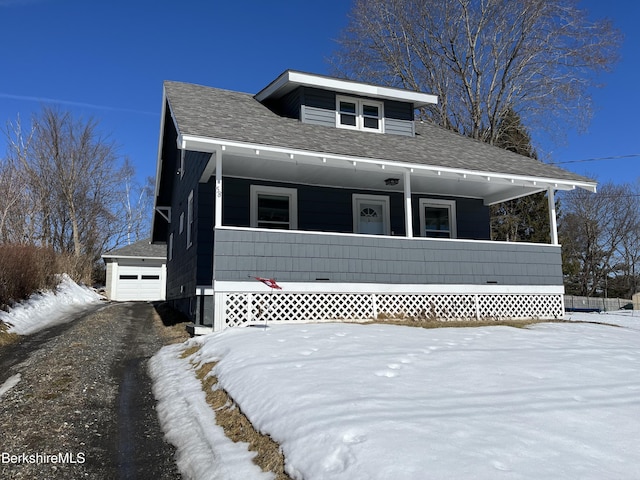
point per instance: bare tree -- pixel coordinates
(596, 234)
(18, 211)
(481, 57)
(628, 250)
(135, 208)
(73, 181)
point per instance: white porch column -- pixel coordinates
(553, 224)
(218, 199)
(408, 213)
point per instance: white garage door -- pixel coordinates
(139, 283)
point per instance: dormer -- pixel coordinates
(332, 102)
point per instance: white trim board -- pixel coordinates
(291, 79)
(254, 286)
(208, 144)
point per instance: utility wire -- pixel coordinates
(617, 157)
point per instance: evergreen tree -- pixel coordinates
(524, 219)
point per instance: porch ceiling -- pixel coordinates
(371, 175)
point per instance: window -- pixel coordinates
(190, 220)
(371, 214)
(274, 207)
(359, 114)
(128, 277)
(150, 277)
(437, 218)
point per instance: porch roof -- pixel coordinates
(206, 117)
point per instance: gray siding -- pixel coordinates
(318, 116)
(327, 118)
(318, 107)
(182, 270)
(303, 257)
(398, 127)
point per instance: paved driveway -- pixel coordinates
(82, 405)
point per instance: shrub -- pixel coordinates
(25, 269)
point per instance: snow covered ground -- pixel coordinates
(44, 310)
(356, 402)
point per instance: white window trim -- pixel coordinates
(171, 246)
(381, 199)
(181, 228)
(360, 102)
(190, 220)
(292, 193)
(436, 202)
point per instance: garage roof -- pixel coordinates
(141, 249)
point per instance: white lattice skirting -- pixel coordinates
(241, 308)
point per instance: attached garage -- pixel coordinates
(136, 272)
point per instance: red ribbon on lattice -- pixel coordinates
(269, 282)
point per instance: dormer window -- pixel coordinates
(359, 114)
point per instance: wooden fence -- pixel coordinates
(574, 303)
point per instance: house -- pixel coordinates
(136, 272)
(357, 209)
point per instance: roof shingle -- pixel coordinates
(226, 115)
(142, 248)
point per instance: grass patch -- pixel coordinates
(171, 324)
(187, 352)
(236, 425)
(7, 338)
(426, 323)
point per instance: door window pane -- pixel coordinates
(371, 221)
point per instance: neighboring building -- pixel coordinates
(357, 210)
(136, 272)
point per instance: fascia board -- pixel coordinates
(293, 79)
(159, 156)
(160, 139)
(136, 257)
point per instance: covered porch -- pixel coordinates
(378, 176)
(401, 271)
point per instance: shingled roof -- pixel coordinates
(213, 113)
(140, 249)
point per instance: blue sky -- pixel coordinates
(108, 60)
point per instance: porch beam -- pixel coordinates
(218, 192)
(511, 194)
(553, 223)
(408, 213)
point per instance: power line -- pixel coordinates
(616, 157)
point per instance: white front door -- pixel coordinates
(371, 214)
(371, 221)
